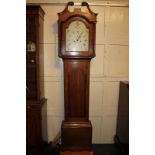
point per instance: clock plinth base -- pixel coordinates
(76, 136)
(76, 153)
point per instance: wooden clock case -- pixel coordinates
(76, 128)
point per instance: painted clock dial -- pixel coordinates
(77, 35)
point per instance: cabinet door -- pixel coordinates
(33, 127)
(31, 65)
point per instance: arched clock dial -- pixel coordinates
(77, 35)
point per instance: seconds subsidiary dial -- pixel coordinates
(77, 35)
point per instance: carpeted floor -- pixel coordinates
(98, 149)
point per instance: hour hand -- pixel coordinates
(79, 36)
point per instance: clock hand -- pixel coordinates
(79, 36)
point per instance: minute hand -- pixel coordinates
(79, 36)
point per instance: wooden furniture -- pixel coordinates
(76, 48)
(34, 91)
(122, 131)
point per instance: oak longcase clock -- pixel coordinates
(77, 30)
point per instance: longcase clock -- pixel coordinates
(77, 30)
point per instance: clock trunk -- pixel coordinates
(76, 129)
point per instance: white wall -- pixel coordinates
(108, 68)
